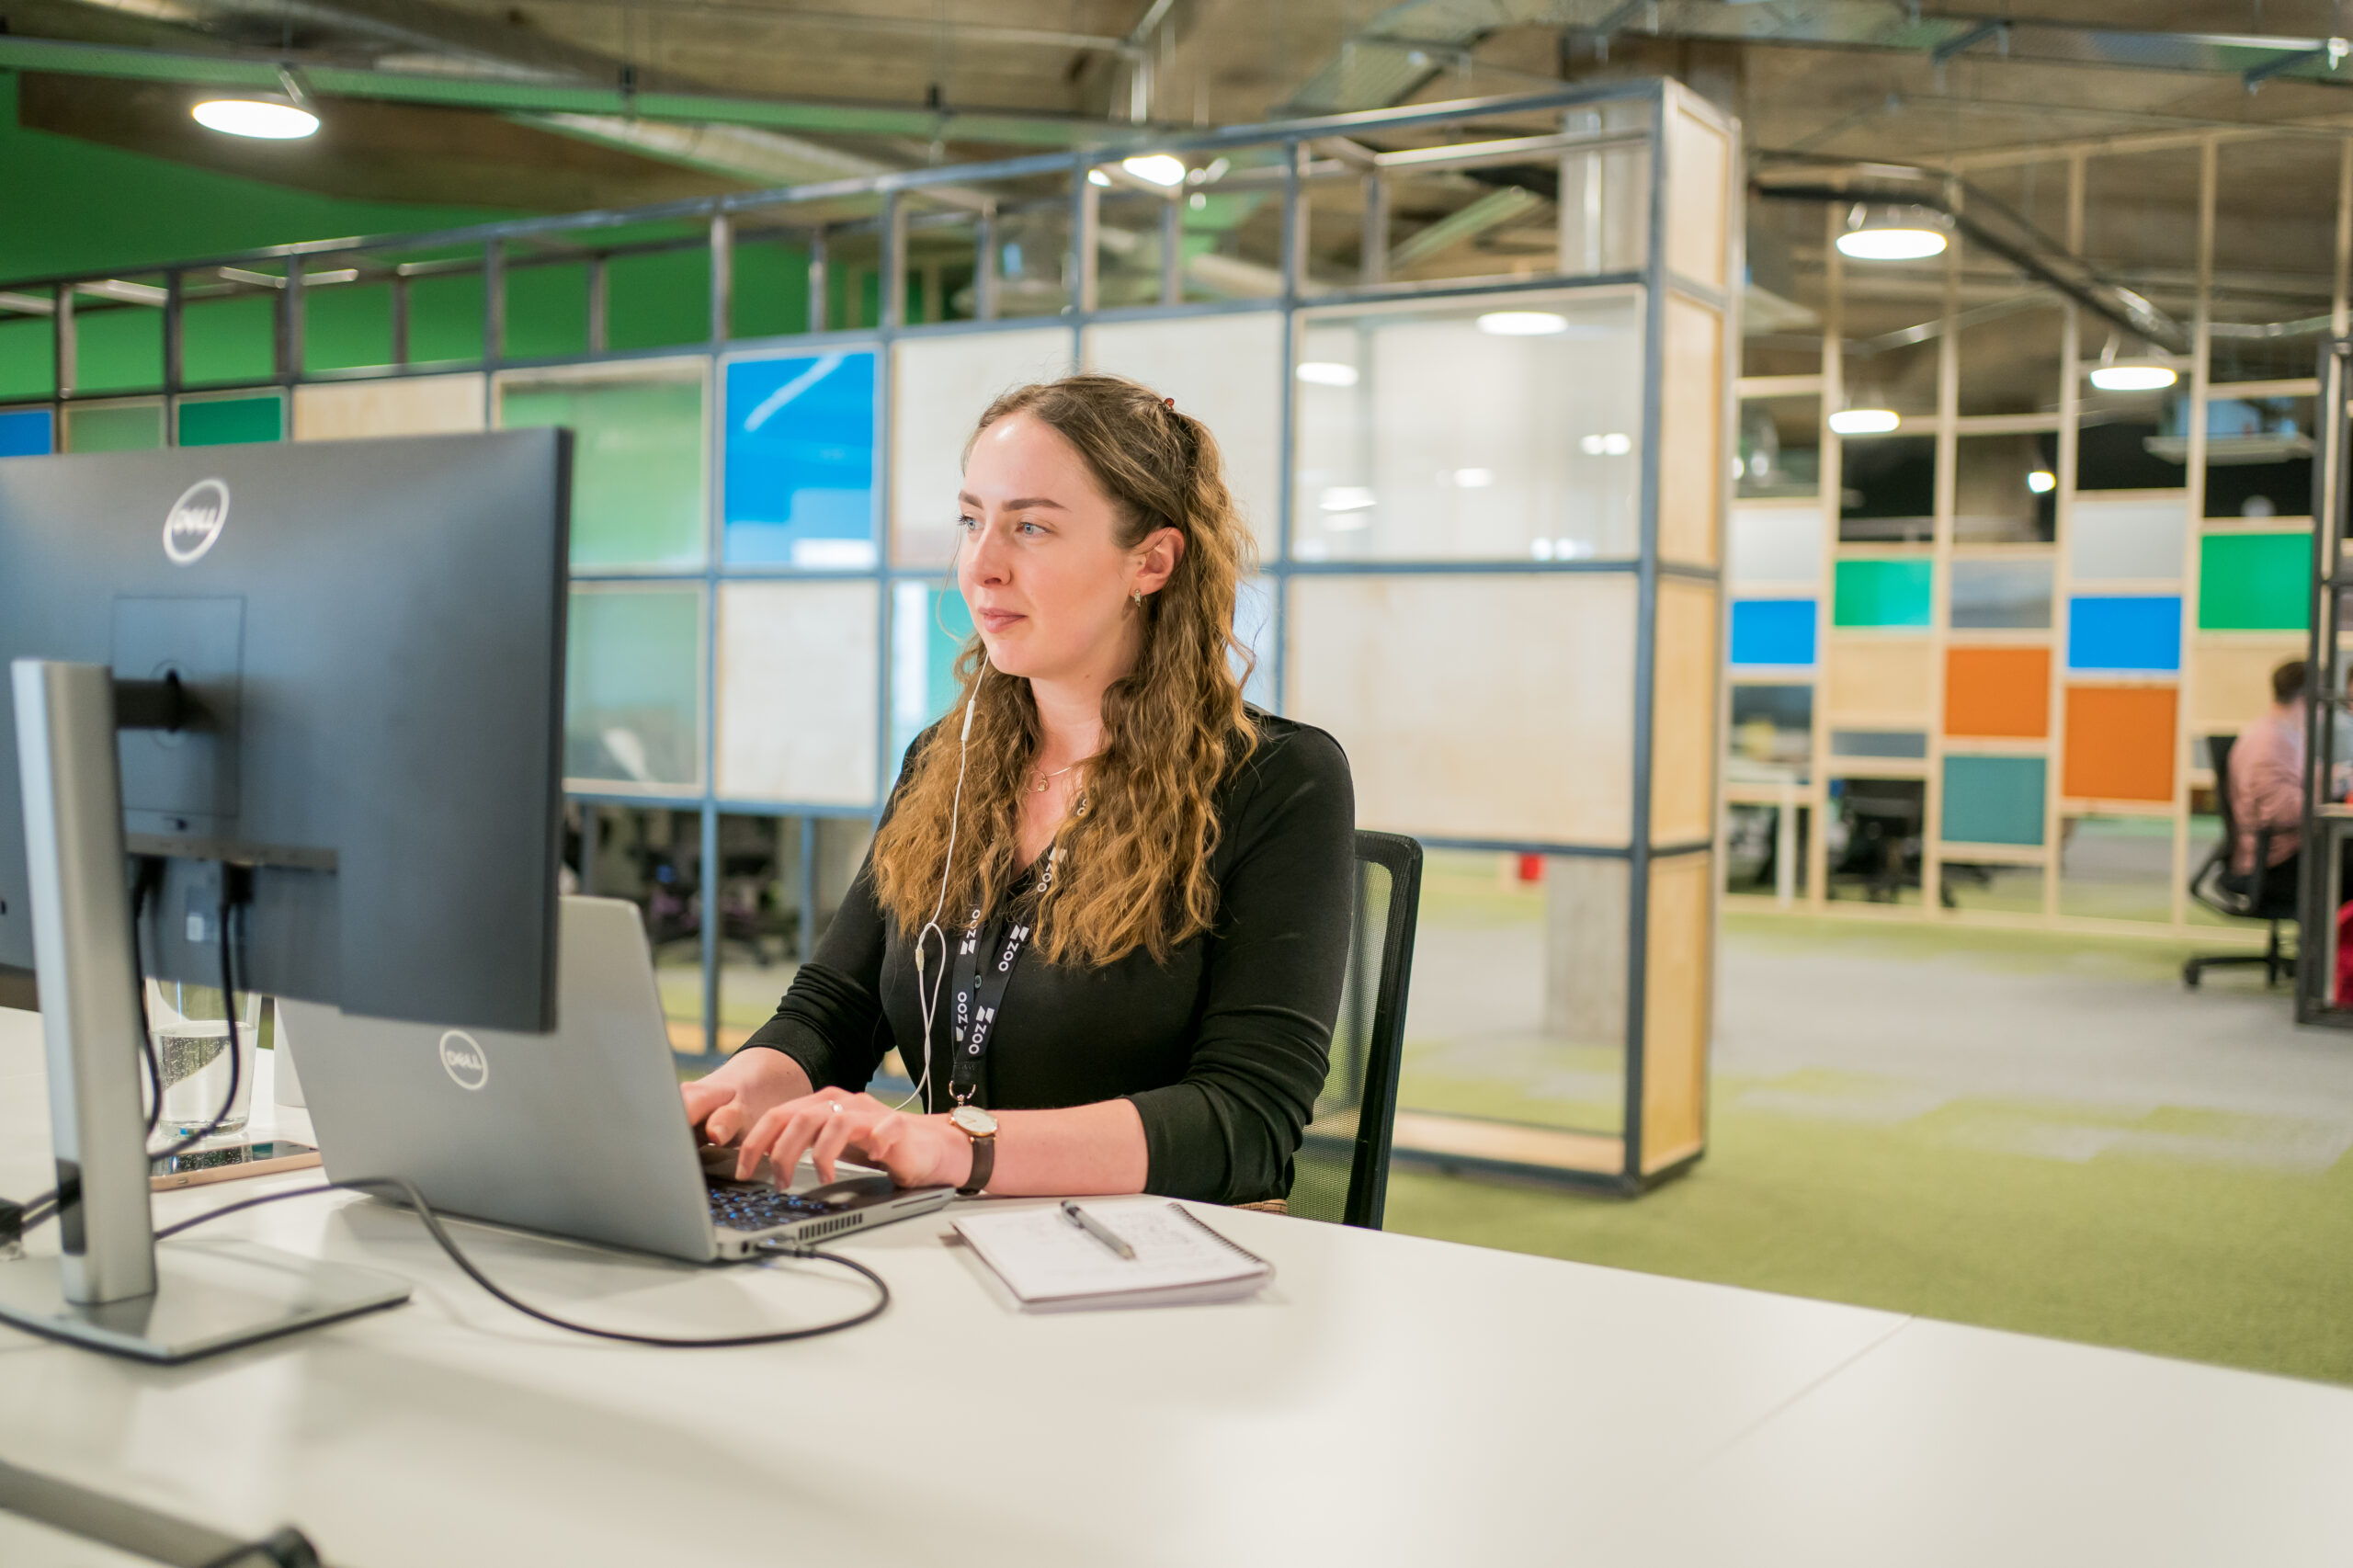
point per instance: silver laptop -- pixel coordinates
(579, 1133)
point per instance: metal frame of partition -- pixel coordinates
(920, 198)
(2327, 819)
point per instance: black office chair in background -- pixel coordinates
(2262, 895)
(1342, 1171)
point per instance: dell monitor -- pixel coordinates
(318, 683)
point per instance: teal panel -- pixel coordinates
(118, 428)
(929, 625)
(229, 340)
(223, 422)
(118, 348)
(637, 466)
(1883, 593)
(632, 687)
(345, 325)
(1994, 799)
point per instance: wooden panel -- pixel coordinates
(797, 702)
(2119, 744)
(1998, 692)
(1884, 680)
(1697, 155)
(1678, 1005)
(2230, 680)
(1683, 714)
(1472, 706)
(419, 405)
(1506, 1143)
(1691, 435)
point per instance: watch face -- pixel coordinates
(974, 1120)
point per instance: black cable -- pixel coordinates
(226, 907)
(287, 1548)
(432, 1222)
(41, 1208)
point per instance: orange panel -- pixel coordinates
(1999, 691)
(2119, 742)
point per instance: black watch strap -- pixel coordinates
(984, 1165)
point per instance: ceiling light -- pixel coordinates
(1522, 324)
(1894, 233)
(1346, 498)
(2132, 375)
(256, 116)
(1864, 421)
(1096, 176)
(2042, 481)
(1472, 478)
(1326, 373)
(1610, 443)
(1160, 168)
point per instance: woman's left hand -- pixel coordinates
(918, 1150)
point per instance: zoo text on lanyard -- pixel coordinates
(980, 997)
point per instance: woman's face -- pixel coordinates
(1041, 566)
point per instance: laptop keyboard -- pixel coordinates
(755, 1206)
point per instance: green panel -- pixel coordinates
(654, 301)
(2255, 582)
(229, 340)
(117, 348)
(547, 310)
(1994, 799)
(637, 466)
(444, 319)
(223, 422)
(633, 686)
(124, 427)
(28, 359)
(771, 290)
(345, 325)
(1883, 593)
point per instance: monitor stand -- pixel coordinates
(111, 1288)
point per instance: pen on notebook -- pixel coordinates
(1096, 1229)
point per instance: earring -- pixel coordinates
(1139, 599)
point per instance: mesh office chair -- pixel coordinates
(2265, 894)
(1342, 1170)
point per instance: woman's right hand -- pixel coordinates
(744, 1088)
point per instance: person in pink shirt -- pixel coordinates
(2267, 778)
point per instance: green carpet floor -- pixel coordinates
(1950, 1215)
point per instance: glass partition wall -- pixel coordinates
(1469, 368)
(2046, 533)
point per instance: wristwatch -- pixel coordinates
(980, 1127)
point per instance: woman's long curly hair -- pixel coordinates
(1134, 871)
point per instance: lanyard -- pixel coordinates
(980, 995)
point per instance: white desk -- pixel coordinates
(1388, 1400)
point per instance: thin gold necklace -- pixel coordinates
(1046, 779)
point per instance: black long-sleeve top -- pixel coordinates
(1222, 1049)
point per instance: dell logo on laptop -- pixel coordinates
(193, 524)
(463, 1060)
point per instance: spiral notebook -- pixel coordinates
(1050, 1264)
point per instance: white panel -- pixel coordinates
(1777, 545)
(2133, 538)
(938, 387)
(797, 699)
(1474, 707)
(1422, 436)
(1225, 371)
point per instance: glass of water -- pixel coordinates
(191, 1030)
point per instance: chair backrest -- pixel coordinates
(1342, 1170)
(2218, 747)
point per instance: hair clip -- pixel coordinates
(1170, 403)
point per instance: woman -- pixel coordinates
(1106, 916)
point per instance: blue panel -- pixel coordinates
(24, 433)
(1772, 631)
(2124, 632)
(800, 460)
